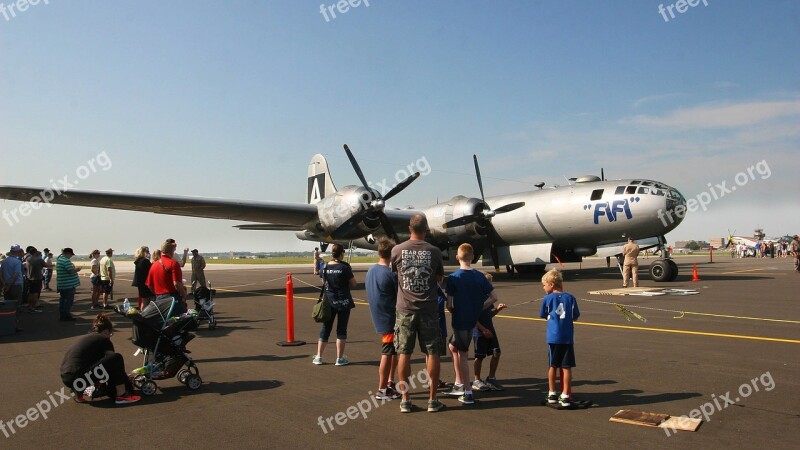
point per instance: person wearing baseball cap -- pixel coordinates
(66, 282)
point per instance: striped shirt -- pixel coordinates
(66, 275)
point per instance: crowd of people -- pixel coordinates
(24, 274)
(761, 249)
(408, 293)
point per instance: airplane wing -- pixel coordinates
(289, 215)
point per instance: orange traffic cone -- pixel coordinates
(695, 277)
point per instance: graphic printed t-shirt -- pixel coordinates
(418, 264)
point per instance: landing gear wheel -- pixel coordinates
(660, 270)
(149, 388)
(182, 375)
(194, 382)
(673, 270)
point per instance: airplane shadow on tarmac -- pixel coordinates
(612, 273)
(266, 358)
(521, 392)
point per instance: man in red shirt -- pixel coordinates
(165, 278)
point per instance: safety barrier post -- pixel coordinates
(711, 253)
(290, 342)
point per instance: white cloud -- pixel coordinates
(719, 115)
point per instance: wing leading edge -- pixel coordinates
(276, 213)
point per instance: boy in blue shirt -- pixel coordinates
(560, 309)
(468, 292)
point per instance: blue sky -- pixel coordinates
(231, 99)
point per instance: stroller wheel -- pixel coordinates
(182, 375)
(193, 382)
(149, 388)
(138, 380)
(212, 325)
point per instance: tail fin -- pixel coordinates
(320, 183)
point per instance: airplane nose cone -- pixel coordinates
(675, 207)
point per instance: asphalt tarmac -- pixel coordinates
(730, 352)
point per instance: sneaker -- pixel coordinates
(563, 401)
(95, 307)
(392, 393)
(35, 310)
(317, 360)
(108, 307)
(80, 398)
(127, 398)
(456, 390)
(442, 385)
(552, 399)
(405, 406)
(387, 394)
(479, 385)
(434, 405)
(466, 399)
(343, 361)
(494, 385)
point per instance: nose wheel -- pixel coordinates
(663, 269)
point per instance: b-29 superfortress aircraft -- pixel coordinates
(523, 231)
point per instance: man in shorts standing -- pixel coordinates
(107, 275)
(419, 271)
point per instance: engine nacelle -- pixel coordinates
(456, 207)
(346, 203)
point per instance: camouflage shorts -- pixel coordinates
(423, 325)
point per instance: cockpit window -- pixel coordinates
(644, 190)
(620, 190)
(656, 191)
(635, 182)
(630, 190)
(647, 183)
(597, 194)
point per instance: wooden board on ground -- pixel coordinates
(648, 419)
(681, 423)
(637, 417)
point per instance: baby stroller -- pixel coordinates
(204, 305)
(163, 332)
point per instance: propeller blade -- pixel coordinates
(602, 175)
(461, 221)
(356, 167)
(478, 173)
(400, 186)
(493, 247)
(388, 228)
(509, 207)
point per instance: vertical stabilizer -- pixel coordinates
(320, 184)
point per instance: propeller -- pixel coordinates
(730, 238)
(376, 205)
(484, 217)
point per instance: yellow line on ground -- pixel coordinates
(740, 271)
(668, 330)
(606, 325)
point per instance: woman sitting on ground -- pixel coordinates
(92, 361)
